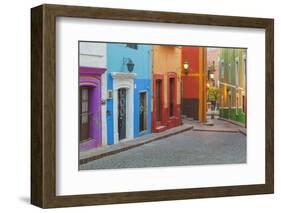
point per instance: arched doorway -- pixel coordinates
(123, 106)
(90, 121)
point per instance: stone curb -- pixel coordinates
(215, 130)
(131, 146)
(243, 131)
(233, 122)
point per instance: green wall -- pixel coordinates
(232, 115)
(232, 83)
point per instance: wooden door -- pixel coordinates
(122, 113)
(171, 96)
(142, 111)
(84, 114)
(158, 102)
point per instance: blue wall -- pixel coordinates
(141, 57)
(142, 85)
(109, 113)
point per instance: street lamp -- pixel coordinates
(185, 67)
(212, 75)
(130, 64)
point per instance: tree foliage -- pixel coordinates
(212, 93)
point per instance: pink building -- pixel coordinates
(213, 66)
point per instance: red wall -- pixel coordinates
(191, 54)
(191, 80)
(190, 87)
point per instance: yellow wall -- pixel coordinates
(202, 84)
(167, 59)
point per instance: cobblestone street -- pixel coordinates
(187, 148)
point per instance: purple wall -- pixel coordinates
(91, 77)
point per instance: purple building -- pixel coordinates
(91, 96)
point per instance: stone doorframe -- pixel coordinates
(123, 80)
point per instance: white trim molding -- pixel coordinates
(104, 108)
(124, 80)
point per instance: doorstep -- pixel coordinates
(94, 154)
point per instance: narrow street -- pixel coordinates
(152, 105)
(192, 147)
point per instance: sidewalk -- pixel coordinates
(101, 152)
(241, 128)
(216, 125)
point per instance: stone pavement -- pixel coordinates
(94, 154)
(213, 125)
(184, 149)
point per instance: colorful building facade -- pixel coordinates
(129, 91)
(166, 75)
(213, 61)
(194, 83)
(233, 66)
(212, 79)
(92, 109)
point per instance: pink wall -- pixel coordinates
(213, 55)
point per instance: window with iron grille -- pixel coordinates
(237, 73)
(133, 46)
(222, 70)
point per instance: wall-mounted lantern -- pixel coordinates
(129, 63)
(185, 67)
(212, 76)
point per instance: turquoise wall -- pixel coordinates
(141, 57)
